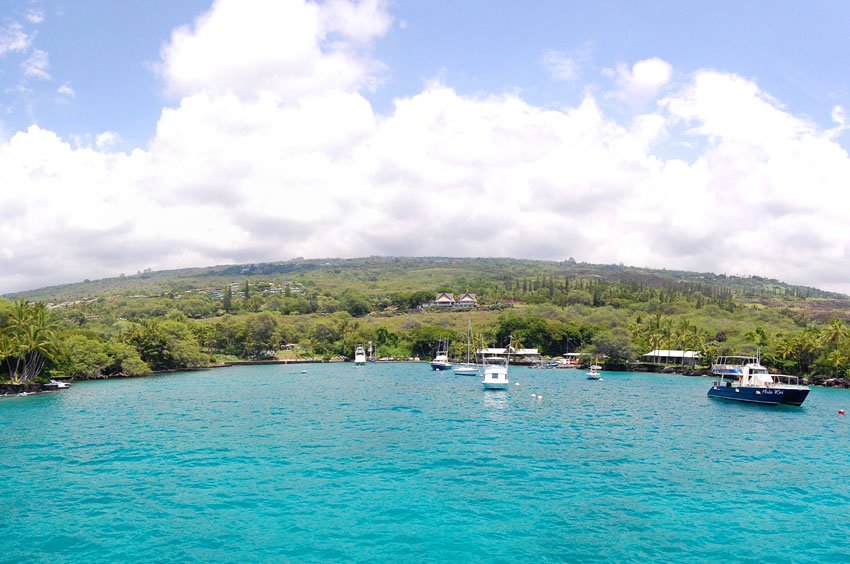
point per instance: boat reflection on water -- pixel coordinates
(496, 399)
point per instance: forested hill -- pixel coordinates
(493, 278)
(321, 309)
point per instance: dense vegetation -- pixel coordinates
(133, 325)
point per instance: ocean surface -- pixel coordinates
(394, 462)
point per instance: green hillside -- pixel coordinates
(385, 274)
(322, 308)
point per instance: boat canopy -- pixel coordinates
(736, 360)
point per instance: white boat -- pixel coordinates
(359, 356)
(594, 373)
(371, 353)
(441, 359)
(496, 371)
(467, 368)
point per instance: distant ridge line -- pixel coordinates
(176, 280)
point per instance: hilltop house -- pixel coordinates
(444, 299)
(447, 300)
(467, 300)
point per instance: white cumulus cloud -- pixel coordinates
(66, 90)
(13, 39)
(106, 139)
(37, 65)
(271, 151)
(643, 80)
(360, 21)
(560, 65)
(35, 16)
(276, 47)
(838, 115)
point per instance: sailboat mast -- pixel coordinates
(468, 338)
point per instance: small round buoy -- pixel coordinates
(517, 384)
(840, 412)
(533, 395)
(540, 397)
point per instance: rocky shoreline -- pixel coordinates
(28, 388)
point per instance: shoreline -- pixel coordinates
(9, 389)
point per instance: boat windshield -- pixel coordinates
(761, 378)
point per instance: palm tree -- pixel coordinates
(6, 348)
(28, 341)
(758, 336)
(806, 345)
(837, 361)
(834, 333)
(684, 335)
(655, 340)
(785, 347)
(667, 332)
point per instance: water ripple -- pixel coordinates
(394, 462)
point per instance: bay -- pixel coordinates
(396, 462)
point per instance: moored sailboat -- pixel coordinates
(467, 368)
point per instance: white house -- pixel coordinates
(444, 299)
(448, 300)
(521, 355)
(672, 357)
(467, 300)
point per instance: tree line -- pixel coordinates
(618, 319)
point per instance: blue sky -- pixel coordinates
(106, 51)
(791, 48)
(263, 120)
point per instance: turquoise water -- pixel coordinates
(395, 462)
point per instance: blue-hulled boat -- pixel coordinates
(743, 378)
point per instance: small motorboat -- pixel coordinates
(496, 374)
(594, 373)
(359, 356)
(496, 371)
(441, 359)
